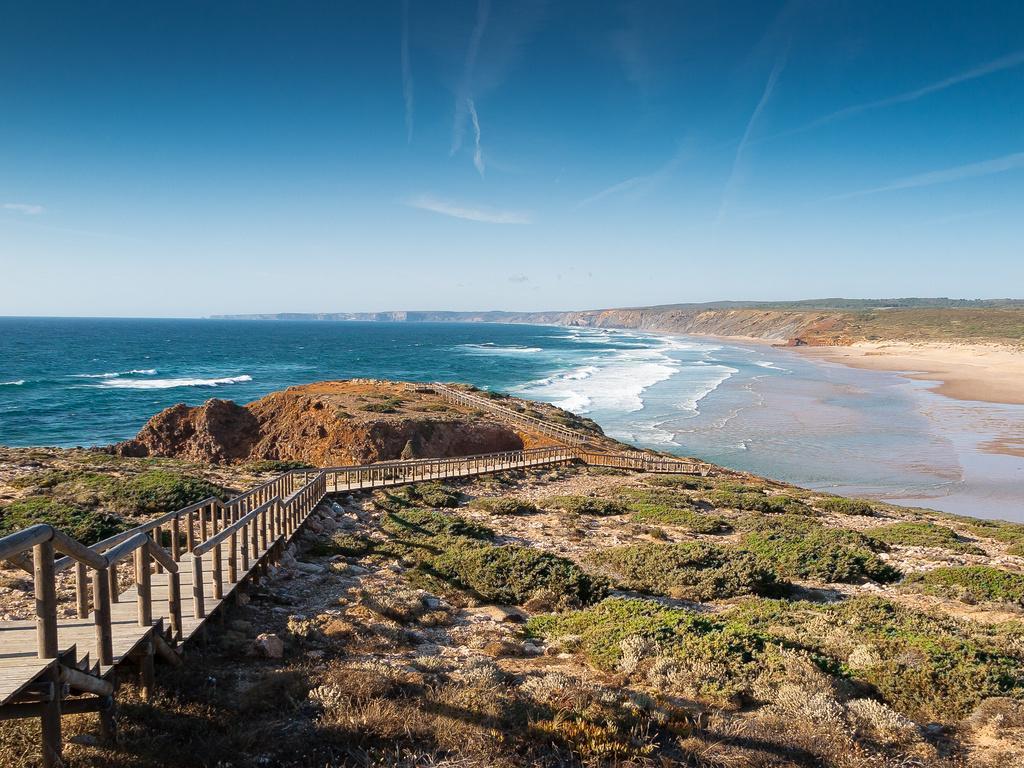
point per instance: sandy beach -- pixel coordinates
(987, 373)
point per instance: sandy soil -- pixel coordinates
(988, 373)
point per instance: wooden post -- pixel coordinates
(101, 617)
(50, 720)
(175, 538)
(216, 574)
(158, 539)
(198, 599)
(143, 587)
(147, 674)
(82, 590)
(115, 590)
(245, 548)
(174, 603)
(190, 534)
(46, 602)
(203, 525)
(233, 558)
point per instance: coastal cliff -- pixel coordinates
(824, 322)
(330, 423)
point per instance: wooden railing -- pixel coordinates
(238, 538)
(561, 433)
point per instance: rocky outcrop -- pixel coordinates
(330, 423)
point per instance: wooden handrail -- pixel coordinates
(243, 521)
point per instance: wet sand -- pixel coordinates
(989, 373)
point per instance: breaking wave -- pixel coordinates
(119, 383)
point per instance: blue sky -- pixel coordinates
(182, 159)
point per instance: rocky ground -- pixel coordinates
(591, 617)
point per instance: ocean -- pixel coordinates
(84, 382)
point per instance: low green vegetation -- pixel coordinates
(81, 523)
(276, 465)
(91, 505)
(586, 505)
(923, 534)
(840, 505)
(449, 551)
(927, 667)
(661, 505)
(384, 404)
(161, 490)
(756, 501)
(797, 547)
(690, 570)
(691, 520)
(680, 482)
(504, 505)
(430, 494)
(1000, 530)
(970, 583)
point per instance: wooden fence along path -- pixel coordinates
(188, 563)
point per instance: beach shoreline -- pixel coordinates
(988, 373)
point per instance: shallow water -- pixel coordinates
(770, 411)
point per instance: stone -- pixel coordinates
(309, 567)
(270, 646)
(238, 625)
(241, 598)
(503, 613)
(85, 739)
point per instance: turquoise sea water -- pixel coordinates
(73, 382)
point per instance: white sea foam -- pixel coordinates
(15, 383)
(115, 374)
(702, 382)
(489, 348)
(172, 383)
(611, 382)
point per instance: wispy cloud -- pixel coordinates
(407, 84)
(25, 208)
(1010, 162)
(996, 65)
(467, 211)
(478, 153)
(741, 148)
(518, 279)
(465, 92)
(634, 182)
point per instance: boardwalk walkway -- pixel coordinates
(188, 563)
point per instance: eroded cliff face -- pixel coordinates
(330, 423)
(785, 327)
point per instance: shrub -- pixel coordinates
(514, 574)
(432, 494)
(692, 520)
(971, 583)
(85, 525)
(755, 501)
(734, 651)
(929, 667)
(586, 505)
(800, 548)
(161, 490)
(687, 482)
(922, 534)
(507, 505)
(1000, 530)
(277, 465)
(841, 505)
(429, 522)
(691, 570)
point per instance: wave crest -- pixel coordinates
(118, 383)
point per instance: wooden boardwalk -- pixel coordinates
(189, 563)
